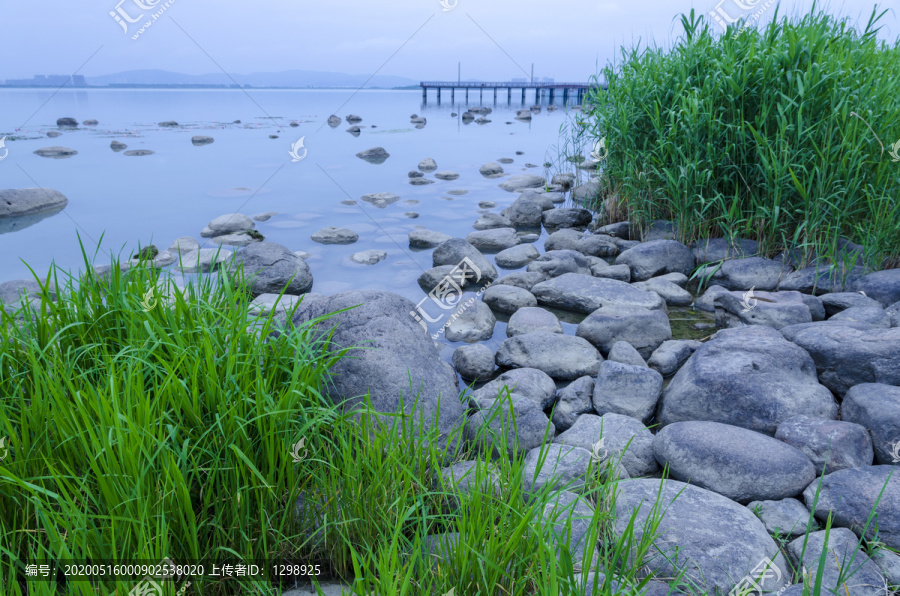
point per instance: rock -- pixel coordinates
(523, 279)
(668, 291)
(643, 328)
(264, 216)
(815, 306)
(139, 153)
(90, 122)
(474, 362)
(368, 257)
(185, 244)
(624, 439)
(617, 272)
(704, 538)
(390, 359)
(720, 249)
(470, 323)
(893, 312)
(427, 165)
(455, 252)
(653, 258)
(493, 240)
(874, 316)
(333, 235)
(411, 215)
(375, 155)
(618, 230)
(538, 194)
(751, 272)
(353, 119)
(67, 123)
(883, 286)
(421, 181)
(529, 319)
(562, 467)
(334, 121)
(587, 193)
(516, 257)
(446, 175)
(203, 260)
(491, 169)
(840, 301)
(889, 564)
(271, 268)
(771, 309)
(230, 223)
(415, 174)
(354, 130)
(563, 357)
(573, 401)
(201, 140)
(584, 294)
(431, 278)
(490, 221)
(168, 124)
(567, 218)
(671, 354)
(240, 239)
(624, 353)
(831, 445)
(707, 302)
(56, 152)
(659, 229)
(525, 212)
(818, 279)
(571, 517)
(418, 120)
(516, 418)
(530, 383)
(847, 354)
(19, 291)
(467, 477)
(847, 570)
(566, 180)
(748, 377)
(592, 245)
(118, 146)
(523, 115)
(561, 262)
(422, 238)
(787, 517)
(520, 182)
(627, 389)
(488, 205)
(508, 299)
(19, 202)
(381, 199)
(876, 407)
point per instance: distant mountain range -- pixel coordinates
(288, 78)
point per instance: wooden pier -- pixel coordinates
(574, 91)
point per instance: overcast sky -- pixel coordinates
(494, 39)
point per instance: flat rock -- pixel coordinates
(271, 268)
(562, 357)
(168, 124)
(203, 260)
(138, 153)
(831, 445)
(508, 299)
(494, 240)
(751, 272)
(530, 383)
(200, 140)
(474, 362)
(883, 286)
(471, 323)
(594, 245)
(422, 238)
(529, 319)
(876, 408)
(368, 257)
(460, 253)
(516, 257)
(19, 202)
(785, 517)
(581, 293)
(491, 169)
(656, 257)
(571, 402)
(375, 155)
(489, 221)
(671, 354)
(627, 389)
(624, 353)
(673, 294)
(847, 569)
(838, 302)
(522, 279)
(522, 181)
(446, 175)
(230, 223)
(624, 439)
(771, 309)
(56, 152)
(616, 272)
(567, 218)
(874, 316)
(333, 235)
(560, 262)
(714, 541)
(748, 377)
(381, 199)
(643, 328)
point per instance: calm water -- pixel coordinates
(178, 190)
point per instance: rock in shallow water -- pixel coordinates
(368, 257)
(656, 257)
(585, 294)
(56, 152)
(516, 257)
(18, 202)
(644, 329)
(271, 268)
(333, 235)
(230, 223)
(508, 299)
(563, 357)
(381, 199)
(474, 362)
(423, 238)
(375, 155)
(528, 319)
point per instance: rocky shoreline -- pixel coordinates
(790, 411)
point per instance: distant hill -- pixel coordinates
(288, 78)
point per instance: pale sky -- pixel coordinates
(494, 39)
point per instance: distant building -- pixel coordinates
(48, 81)
(520, 80)
(545, 80)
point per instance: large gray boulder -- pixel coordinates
(712, 250)
(18, 202)
(563, 357)
(594, 245)
(516, 257)
(459, 253)
(516, 418)
(883, 286)
(672, 293)
(848, 569)
(560, 262)
(831, 445)
(740, 464)
(752, 272)
(571, 402)
(787, 517)
(493, 240)
(817, 279)
(567, 218)
(521, 182)
(532, 318)
(271, 268)
(474, 362)
(848, 354)
(424, 238)
(644, 329)
(874, 316)
(390, 358)
(584, 294)
(771, 309)
(712, 539)
(749, 377)
(671, 354)
(471, 322)
(840, 301)
(375, 155)
(525, 212)
(628, 390)
(624, 439)
(562, 467)
(656, 257)
(490, 221)
(508, 299)
(876, 407)
(850, 495)
(530, 383)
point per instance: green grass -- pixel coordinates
(780, 135)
